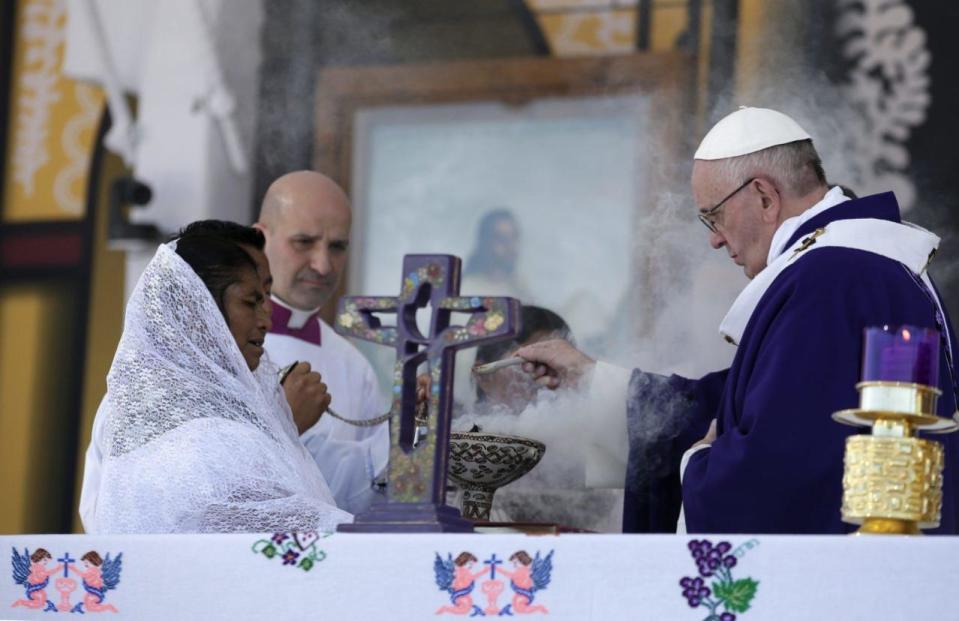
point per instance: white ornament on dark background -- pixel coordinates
(888, 86)
(68, 185)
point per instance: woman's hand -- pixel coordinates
(307, 396)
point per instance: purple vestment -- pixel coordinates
(777, 463)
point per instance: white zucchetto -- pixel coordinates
(748, 130)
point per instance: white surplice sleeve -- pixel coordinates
(607, 394)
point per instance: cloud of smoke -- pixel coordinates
(554, 491)
(679, 290)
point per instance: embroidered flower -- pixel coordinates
(493, 321)
(290, 557)
(279, 538)
(269, 551)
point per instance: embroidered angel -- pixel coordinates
(456, 577)
(32, 572)
(99, 576)
(528, 576)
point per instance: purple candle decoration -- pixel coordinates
(901, 354)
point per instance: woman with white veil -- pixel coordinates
(197, 435)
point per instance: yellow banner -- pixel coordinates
(52, 121)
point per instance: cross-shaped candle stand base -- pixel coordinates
(416, 488)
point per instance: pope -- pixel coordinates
(753, 448)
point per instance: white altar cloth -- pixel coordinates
(353, 576)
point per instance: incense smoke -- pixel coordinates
(594, 207)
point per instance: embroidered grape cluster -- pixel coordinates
(710, 559)
(716, 562)
(694, 590)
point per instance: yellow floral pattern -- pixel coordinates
(53, 119)
(587, 27)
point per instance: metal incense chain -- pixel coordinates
(421, 417)
(360, 422)
(356, 422)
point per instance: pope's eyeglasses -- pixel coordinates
(708, 216)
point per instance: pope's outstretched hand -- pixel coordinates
(307, 396)
(555, 363)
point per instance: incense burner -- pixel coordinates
(481, 462)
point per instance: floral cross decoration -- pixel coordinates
(431, 284)
(294, 549)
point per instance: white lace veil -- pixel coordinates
(193, 440)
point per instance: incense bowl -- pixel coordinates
(481, 462)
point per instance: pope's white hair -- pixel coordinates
(795, 167)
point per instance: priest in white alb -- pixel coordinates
(306, 220)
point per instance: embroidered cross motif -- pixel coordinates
(66, 560)
(807, 242)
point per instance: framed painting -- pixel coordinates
(538, 172)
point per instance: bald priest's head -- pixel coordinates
(305, 218)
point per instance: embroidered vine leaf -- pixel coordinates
(718, 588)
(736, 596)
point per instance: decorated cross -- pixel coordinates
(420, 449)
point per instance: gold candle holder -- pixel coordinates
(892, 482)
